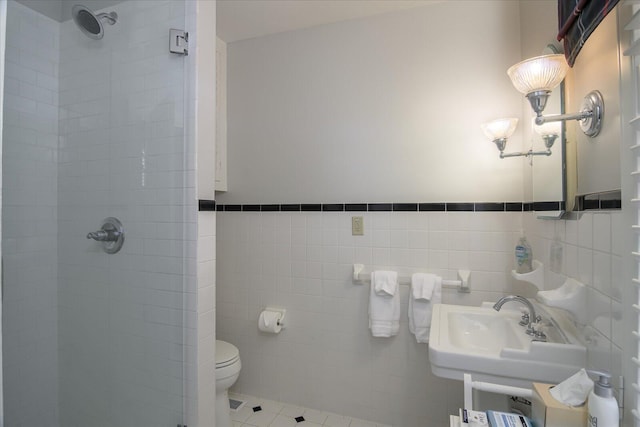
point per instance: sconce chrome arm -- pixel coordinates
(529, 153)
(548, 142)
(540, 119)
(590, 116)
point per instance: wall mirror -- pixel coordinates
(549, 195)
(597, 166)
(587, 175)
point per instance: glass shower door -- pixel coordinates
(94, 128)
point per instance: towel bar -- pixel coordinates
(462, 284)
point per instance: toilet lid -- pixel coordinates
(226, 353)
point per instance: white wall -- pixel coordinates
(384, 108)
(378, 109)
(289, 143)
(30, 140)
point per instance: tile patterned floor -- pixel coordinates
(258, 412)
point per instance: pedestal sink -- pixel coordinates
(493, 347)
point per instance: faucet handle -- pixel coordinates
(539, 335)
(524, 320)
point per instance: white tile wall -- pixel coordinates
(592, 253)
(200, 349)
(206, 314)
(326, 358)
(30, 138)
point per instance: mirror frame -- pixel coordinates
(563, 204)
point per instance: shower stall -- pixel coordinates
(95, 127)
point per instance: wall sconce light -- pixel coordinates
(536, 77)
(549, 132)
(500, 130)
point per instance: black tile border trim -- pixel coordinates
(206, 205)
(380, 207)
(460, 207)
(605, 200)
(355, 207)
(405, 207)
(290, 208)
(490, 207)
(432, 207)
(546, 206)
(315, 207)
(338, 207)
(270, 208)
(514, 207)
(251, 208)
(401, 207)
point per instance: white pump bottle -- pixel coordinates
(602, 405)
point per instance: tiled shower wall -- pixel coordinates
(30, 141)
(122, 154)
(325, 358)
(107, 340)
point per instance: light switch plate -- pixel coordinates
(357, 226)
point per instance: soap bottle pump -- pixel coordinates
(524, 255)
(602, 406)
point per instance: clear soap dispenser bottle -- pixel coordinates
(524, 255)
(602, 406)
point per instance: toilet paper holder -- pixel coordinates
(281, 311)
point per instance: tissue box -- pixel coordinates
(546, 411)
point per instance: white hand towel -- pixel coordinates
(420, 309)
(385, 283)
(422, 285)
(384, 308)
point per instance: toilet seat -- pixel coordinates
(226, 354)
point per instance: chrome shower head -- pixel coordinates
(91, 24)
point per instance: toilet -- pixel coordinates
(227, 371)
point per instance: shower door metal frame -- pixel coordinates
(3, 35)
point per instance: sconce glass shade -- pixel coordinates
(547, 128)
(499, 128)
(539, 74)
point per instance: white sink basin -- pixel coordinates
(492, 346)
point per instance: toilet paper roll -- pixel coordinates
(268, 322)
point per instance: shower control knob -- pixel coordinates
(111, 234)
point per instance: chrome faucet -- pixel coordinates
(528, 318)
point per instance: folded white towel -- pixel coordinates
(384, 308)
(422, 285)
(420, 309)
(384, 282)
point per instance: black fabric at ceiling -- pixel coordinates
(576, 21)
